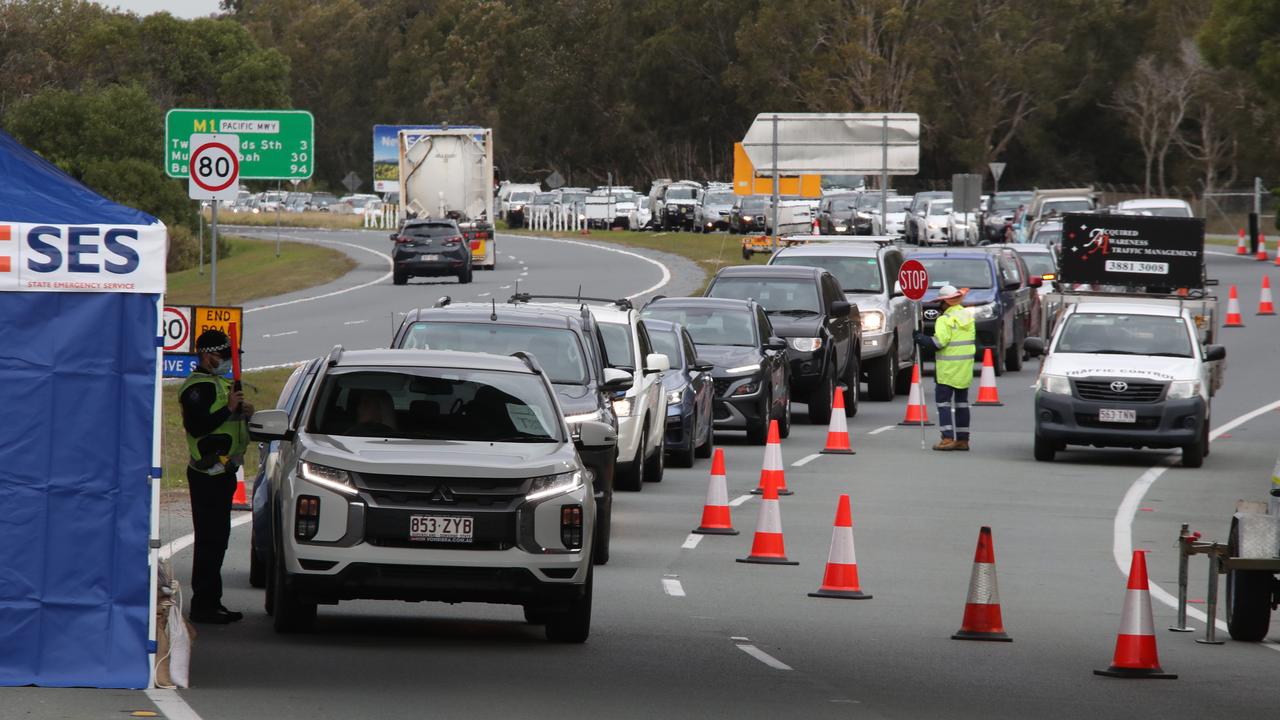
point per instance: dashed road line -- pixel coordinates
(484, 294)
(355, 322)
(763, 656)
(739, 500)
(672, 587)
(879, 430)
(282, 334)
(806, 460)
(692, 541)
(384, 256)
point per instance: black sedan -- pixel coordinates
(430, 248)
(750, 372)
(690, 393)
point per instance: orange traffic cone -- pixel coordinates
(771, 470)
(1240, 246)
(1233, 310)
(917, 411)
(1135, 655)
(239, 501)
(841, 578)
(1262, 248)
(816, 230)
(1264, 300)
(838, 429)
(988, 393)
(716, 519)
(767, 546)
(982, 608)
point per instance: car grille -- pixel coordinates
(1091, 420)
(412, 491)
(1134, 392)
(722, 385)
(721, 410)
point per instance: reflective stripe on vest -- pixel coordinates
(234, 429)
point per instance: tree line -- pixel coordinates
(1154, 92)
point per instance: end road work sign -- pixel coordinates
(274, 144)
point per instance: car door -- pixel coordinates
(698, 380)
(652, 396)
(839, 326)
(901, 310)
(776, 361)
(1022, 295)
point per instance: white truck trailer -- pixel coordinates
(447, 172)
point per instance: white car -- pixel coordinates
(643, 216)
(962, 228)
(1160, 207)
(895, 222)
(934, 221)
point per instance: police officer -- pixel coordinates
(214, 416)
(954, 336)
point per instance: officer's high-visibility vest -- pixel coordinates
(234, 428)
(955, 335)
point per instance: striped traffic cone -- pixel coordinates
(917, 411)
(841, 577)
(988, 393)
(240, 501)
(1262, 249)
(838, 428)
(816, 229)
(1264, 300)
(1233, 310)
(982, 608)
(771, 472)
(1135, 655)
(767, 547)
(1240, 244)
(716, 518)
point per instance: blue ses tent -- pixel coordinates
(81, 292)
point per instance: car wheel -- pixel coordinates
(1193, 454)
(746, 253)
(656, 463)
(399, 277)
(1045, 449)
(1248, 598)
(997, 356)
(535, 615)
(632, 478)
(604, 525)
(464, 277)
(708, 445)
(257, 574)
(1013, 356)
(683, 458)
(784, 422)
(882, 376)
(291, 612)
(573, 624)
(820, 399)
(903, 381)
(758, 433)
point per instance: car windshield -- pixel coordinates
(843, 204)
(775, 294)
(897, 205)
(520, 197)
(435, 404)
(1009, 202)
(941, 207)
(624, 196)
(961, 273)
(558, 350)
(573, 197)
(870, 201)
(720, 198)
(1165, 211)
(1047, 237)
(754, 204)
(429, 230)
(1065, 206)
(543, 199)
(855, 274)
(1039, 263)
(681, 193)
(710, 325)
(666, 342)
(1114, 334)
(617, 345)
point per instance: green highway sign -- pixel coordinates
(274, 144)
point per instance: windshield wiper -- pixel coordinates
(521, 438)
(793, 311)
(1168, 354)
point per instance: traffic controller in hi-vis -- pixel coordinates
(180, 326)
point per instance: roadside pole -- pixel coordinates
(919, 366)
(213, 257)
(278, 208)
(773, 239)
(200, 225)
(913, 281)
(884, 171)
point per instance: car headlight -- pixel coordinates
(675, 396)
(1183, 389)
(743, 369)
(872, 320)
(327, 477)
(804, 344)
(933, 226)
(549, 485)
(622, 407)
(584, 417)
(746, 388)
(1056, 384)
(984, 312)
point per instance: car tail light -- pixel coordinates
(402, 239)
(571, 526)
(307, 520)
(454, 241)
(475, 245)
(482, 236)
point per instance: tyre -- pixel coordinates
(1013, 356)
(464, 277)
(1193, 454)
(684, 458)
(1248, 598)
(784, 422)
(291, 612)
(257, 573)
(708, 446)
(1045, 449)
(573, 624)
(399, 278)
(851, 382)
(632, 478)
(904, 380)
(604, 525)
(758, 433)
(820, 400)
(746, 253)
(656, 464)
(997, 356)
(535, 615)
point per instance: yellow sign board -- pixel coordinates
(218, 318)
(746, 182)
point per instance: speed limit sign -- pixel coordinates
(214, 167)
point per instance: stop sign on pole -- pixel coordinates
(913, 279)
(214, 167)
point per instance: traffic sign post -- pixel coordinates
(913, 278)
(213, 173)
(181, 325)
(275, 144)
(997, 169)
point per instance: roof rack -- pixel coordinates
(529, 360)
(623, 303)
(335, 356)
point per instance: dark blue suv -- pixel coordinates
(997, 298)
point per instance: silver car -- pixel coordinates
(429, 475)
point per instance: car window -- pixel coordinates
(689, 353)
(773, 294)
(435, 404)
(1011, 270)
(666, 342)
(709, 325)
(557, 349)
(1039, 263)
(762, 320)
(617, 345)
(1111, 334)
(432, 230)
(642, 334)
(960, 272)
(854, 274)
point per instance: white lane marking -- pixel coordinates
(275, 367)
(879, 430)
(666, 273)
(743, 639)
(739, 500)
(806, 460)
(763, 657)
(184, 542)
(276, 335)
(1122, 528)
(355, 322)
(672, 587)
(484, 294)
(525, 273)
(384, 256)
(171, 705)
(504, 287)
(692, 541)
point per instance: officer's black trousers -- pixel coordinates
(211, 517)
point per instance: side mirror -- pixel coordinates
(1012, 285)
(656, 362)
(268, 425)
(897, 288)
(595, 435)
(1035, 281)
(394, 236)
(1214, 352)
(840, 308)
(616, 380)
(1033, 346)
(775, 343)
(699, 366)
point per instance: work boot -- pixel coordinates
(960, 445)
(945, 444)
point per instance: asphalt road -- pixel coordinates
(681, 630)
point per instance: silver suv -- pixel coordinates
(430, 475)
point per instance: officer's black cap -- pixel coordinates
(214, 341)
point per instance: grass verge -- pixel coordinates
(332, 221)
(261, 389)
(253, 271)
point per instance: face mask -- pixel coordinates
(223, 367)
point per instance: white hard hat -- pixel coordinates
(946, 292)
